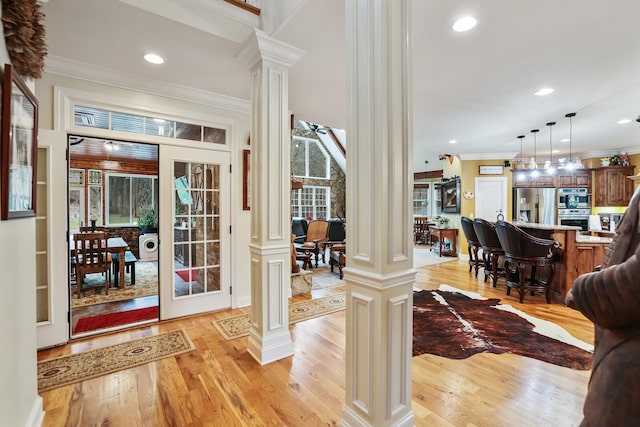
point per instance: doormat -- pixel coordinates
(452, 323)
(185, 275)
(238, 326)
(64, 370)
(103, 321)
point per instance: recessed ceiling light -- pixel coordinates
(544, 91)
(453, 141)
(464, 24)
(624, 121)
(565, 140)
(153, 58)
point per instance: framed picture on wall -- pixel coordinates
(18, 155)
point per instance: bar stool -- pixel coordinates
(491, 250)
(528, 260)
(473, 244)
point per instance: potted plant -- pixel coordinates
(148, 221)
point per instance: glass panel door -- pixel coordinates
(197, 279)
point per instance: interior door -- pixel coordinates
(52, 287)
(491, 197)
(195, 259)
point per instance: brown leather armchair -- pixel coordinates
(491, 250)
(473, 244)
(529, 260)
(315, 239)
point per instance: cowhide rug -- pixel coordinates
(452, 323)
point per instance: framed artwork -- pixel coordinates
(491, 170)
(95, 177)
(19, 137)
(246, 180)
(76, 177)
(450, 191)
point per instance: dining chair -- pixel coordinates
(91, 256)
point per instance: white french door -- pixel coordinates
(195, 260)
(52, 286)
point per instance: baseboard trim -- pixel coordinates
(36, 416)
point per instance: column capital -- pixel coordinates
(260, 46)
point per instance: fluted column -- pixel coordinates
(379, 273)
(269, 61)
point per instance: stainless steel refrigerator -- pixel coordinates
(536, 205)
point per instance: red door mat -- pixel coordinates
(115, 319)
(186, 275)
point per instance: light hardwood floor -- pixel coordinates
(219, 384)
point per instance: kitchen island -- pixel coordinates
(578, 253)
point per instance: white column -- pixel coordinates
(379, 273)
(269, 61)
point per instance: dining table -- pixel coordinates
(117, 245)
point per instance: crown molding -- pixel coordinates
(609, 153)
(260, 46)
(487, 156)
(98, 74)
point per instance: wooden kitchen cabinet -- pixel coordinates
(612, 188)
(580, 178)
(589, 256)
(543, 180)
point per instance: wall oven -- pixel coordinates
(574, 217)
(574, 198)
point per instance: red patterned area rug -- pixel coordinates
(452, 323)
(64, 370)
(103, 321)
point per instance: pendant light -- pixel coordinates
(550, 169)
(534, 172)
(570, 164)
(521, 175)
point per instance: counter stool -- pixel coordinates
(529, 260)
(491, 250)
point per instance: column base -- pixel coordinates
(269, 349)
(350, 418)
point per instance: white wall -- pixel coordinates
(20, 404)
(241, 280)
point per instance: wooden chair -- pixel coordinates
(315, 239)
(335, 234)
(337, 258)
(473, 244)
(491, 250)
(421, 230)
(92, 256)
(528, 260)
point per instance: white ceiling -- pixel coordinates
(475, 87)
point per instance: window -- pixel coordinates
(311, 201)
(309, 159)
(128, 195)
(421, 199)
(124, 122)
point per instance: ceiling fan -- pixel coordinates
(75, 140)
(318, 128)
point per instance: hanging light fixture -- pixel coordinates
(570, 164)
(521, 176)
(534, 164)
(550, 168)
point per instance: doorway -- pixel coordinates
(112, 186)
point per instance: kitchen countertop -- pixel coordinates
(537, 226)
(586, 238)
